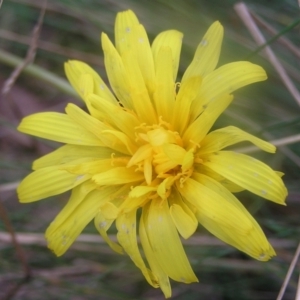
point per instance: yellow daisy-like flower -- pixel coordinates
(147, 147)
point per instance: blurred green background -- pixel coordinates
(90, 270)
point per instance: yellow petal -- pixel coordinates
(120, 175)
(227, 136)
(207, 54)
(212, 205)
(139, 94)
(58, 127)
(248, 173)
(125, 22)
(47, 182)
(232, 187)
(142, 153)
(109, 211)
(78, 195)
(60, 236)
(173, 40)
(225, 80)
(75, 69)
(144, 57)
(115, 115)
(161, 277)
(88, 122)
(126, 226)
(119, 141)
(116, 72)
(186, 95)
(183, 218)
(102, 224)
(164, 187)
(131, 36)
(68, 153)
(164, 95)
(170, 256)
(91, 166)
(199, 128)
(174, 152)
(254, 243)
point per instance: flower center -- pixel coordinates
(161, 157)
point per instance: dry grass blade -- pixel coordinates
(20, 253)
(30, 53)
(298, 290)
(283, 40)
(245, 16)
(289, 274)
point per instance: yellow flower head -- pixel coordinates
(146, 147)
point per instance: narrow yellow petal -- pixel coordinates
(186, 95)
(75, 69)
(68, 153)
(116, 176)
(248, 173)
(174, 152)
(58, 127)
(126, 226)
(60, 236)
(183, 218)
(109, 211)
(131, 36)
(170, 256)
(227, 136)
(78, 195)
(92, 166)
(137, 88)
(164, 187)
(88, 122)
(120, 141)
(144, 57)
(211, 204)
(200, 127)
(161, 276)
(171, 39)
(225, 80)
(207, 54)
(115, 115)
(232, 187)
(116, 72)
(164, 95)
(102, 225)
(142, 153)
(125, 22)
(254, 243)
(47, 182)
(134, 202)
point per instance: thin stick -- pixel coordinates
(298, 289)
(29, 56)
(283, 40)
(20, 253)
(289, 273)
(242, 10)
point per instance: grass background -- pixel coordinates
(90, 270)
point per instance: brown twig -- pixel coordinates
(289, 273)
(19, 251)
(243, 12)
(52, 48)
(30, 53)
(283, 40)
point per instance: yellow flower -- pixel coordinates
(147, 147)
